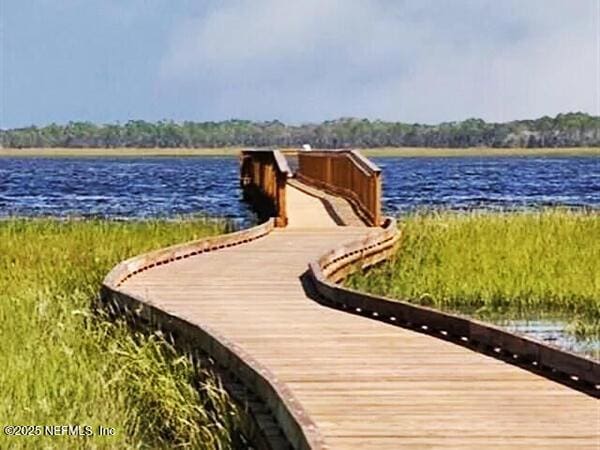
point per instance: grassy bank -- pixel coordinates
(63, 366)
(398, 152)
(521, 265)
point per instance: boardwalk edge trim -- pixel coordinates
(191, 337)
(576, 371)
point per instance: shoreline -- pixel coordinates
(429, 152)
(382, 152)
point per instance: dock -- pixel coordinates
(330, 368)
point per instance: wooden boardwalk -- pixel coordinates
(363, 383)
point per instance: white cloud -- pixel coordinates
(406, 60)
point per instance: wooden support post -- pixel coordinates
(264, 175)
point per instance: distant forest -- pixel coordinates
(564, 130)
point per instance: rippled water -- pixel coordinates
(489, 183)
(164, 187)
(122, 188)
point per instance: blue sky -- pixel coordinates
(302, 61)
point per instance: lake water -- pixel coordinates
(166, 187)
(127, 188)
(122, 188)
(489, 183)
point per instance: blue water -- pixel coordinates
(122, 187)
(167, 187)
(489, 183)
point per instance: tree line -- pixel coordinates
(564, 130)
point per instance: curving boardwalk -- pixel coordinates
(362, 383)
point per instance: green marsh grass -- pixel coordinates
(62, 365)
(509, 265)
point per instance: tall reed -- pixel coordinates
(61, 365)
(531, 264)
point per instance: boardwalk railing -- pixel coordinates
(346, 173)
(263, 177)
(576, 371)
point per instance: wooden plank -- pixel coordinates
(363, 383)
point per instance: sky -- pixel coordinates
(298, 61)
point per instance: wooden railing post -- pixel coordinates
(281, 220)
(376, 208)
